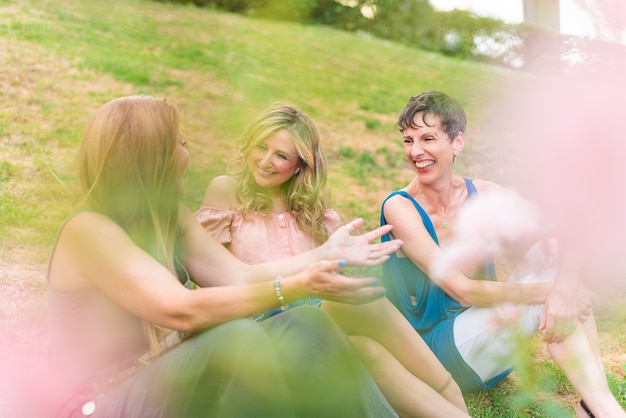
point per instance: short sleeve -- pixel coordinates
(217, 222)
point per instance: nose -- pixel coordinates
(416, 150)
(266, 159)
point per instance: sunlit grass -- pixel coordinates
(219, 69)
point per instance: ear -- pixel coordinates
(457, 143)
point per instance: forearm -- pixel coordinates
(207, 307)
(485, 293)
(259, 273)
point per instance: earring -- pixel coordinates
(297, 170)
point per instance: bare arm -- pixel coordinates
(202, 256)
(422, 250)
(210, 264)
(101, 254)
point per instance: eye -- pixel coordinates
(408, 141)
(183, 142)
(261, 146)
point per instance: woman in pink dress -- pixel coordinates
(276, 205)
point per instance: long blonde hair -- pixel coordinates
(304, 192)
(128, 172)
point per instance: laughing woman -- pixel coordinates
(456, 310)
(276, 205)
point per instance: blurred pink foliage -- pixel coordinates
(566, 135)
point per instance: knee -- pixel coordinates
(233, 339)
(307, 317)
(238, 329)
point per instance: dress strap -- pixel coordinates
(425, 218)
(469, 185)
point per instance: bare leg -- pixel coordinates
(408, 395)
(578, 357)
(382, 322)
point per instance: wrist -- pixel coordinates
(324, 252)
(279, 293)
(291, 289)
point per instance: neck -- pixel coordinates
(438, 198)
(279, 204)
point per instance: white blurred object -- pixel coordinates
(485, 226)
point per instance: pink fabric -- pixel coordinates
(261, 238)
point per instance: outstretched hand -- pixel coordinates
(358, 250)
(322, 280)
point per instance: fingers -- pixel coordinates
(558, 332)
(330, 266)
(354, 224)
(583, 315)
(384, 248)
(358, 291)
(379, 253)
(326, 283)
(377, 233)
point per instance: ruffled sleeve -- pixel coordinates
(331, 220)
(217, 221)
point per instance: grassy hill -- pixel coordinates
(66, 58)
(62, 59)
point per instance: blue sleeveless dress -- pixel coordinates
(434, 311)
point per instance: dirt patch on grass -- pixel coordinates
(23, 304)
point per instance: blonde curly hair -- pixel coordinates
(304, 192)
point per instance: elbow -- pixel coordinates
(184, 323)
(464, 301)
(462, 294)
(179, 322)
(179, 317)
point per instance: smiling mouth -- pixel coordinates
(424, 164)
(264, 173)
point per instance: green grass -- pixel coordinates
(69, 57)
(64, 58)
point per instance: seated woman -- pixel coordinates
(276, 206)
(455, 308)
(119, 283)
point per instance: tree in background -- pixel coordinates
(526, 46)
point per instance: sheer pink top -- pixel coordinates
(261, 237)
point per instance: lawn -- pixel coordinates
(63, 59)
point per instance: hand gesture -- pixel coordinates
(322, 280)
(358, 250)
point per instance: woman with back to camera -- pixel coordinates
(277, 205)
(456, 309)
(119, 282)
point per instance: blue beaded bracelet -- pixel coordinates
(279, 294)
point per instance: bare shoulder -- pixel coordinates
(91, 236)
(88, 225)
(85, 239)
(484, 186)
(396, 203)
(221, 193)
